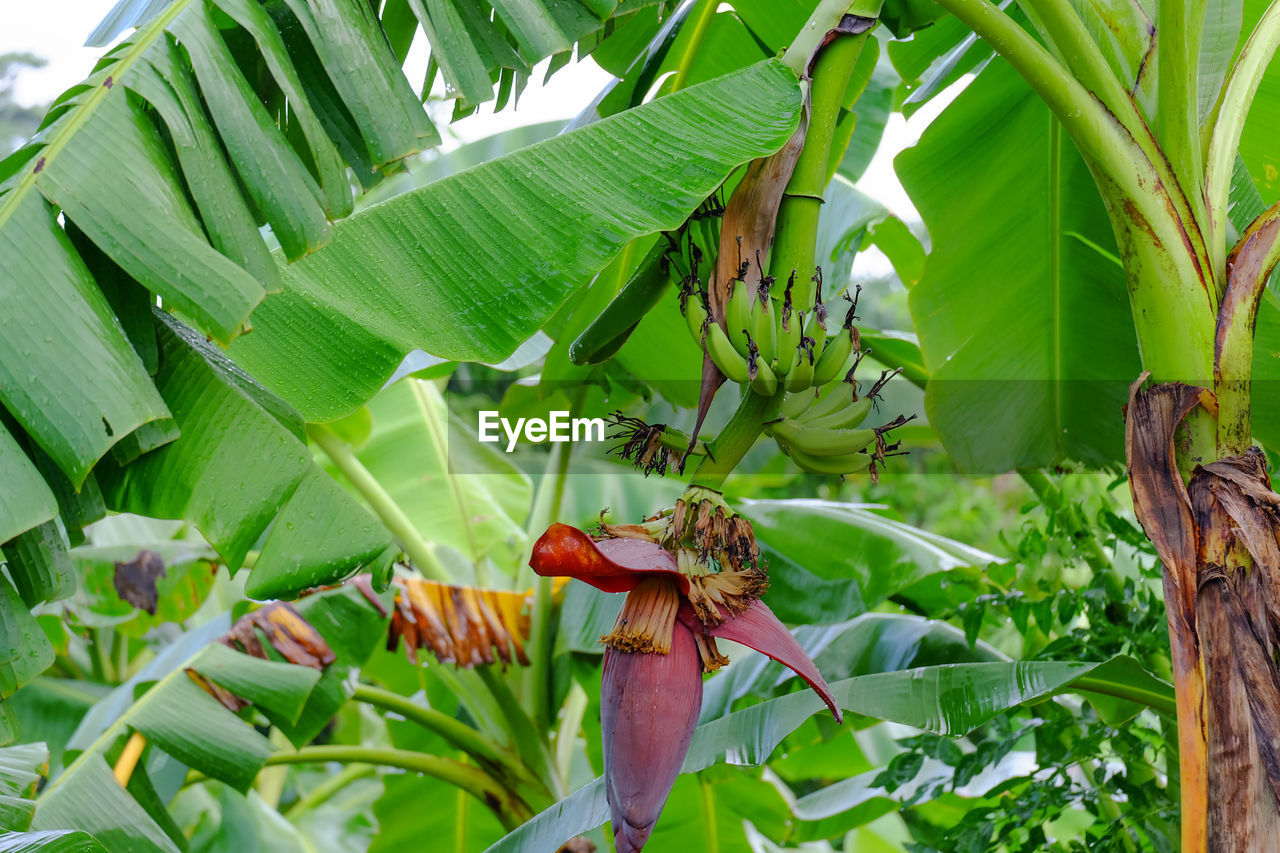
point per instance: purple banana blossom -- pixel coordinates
(664, 640)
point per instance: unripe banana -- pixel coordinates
(794, 405)
(816, 329)
(695, 314)
(848, 463)
(836, 400)
(821, 442)
(847, 416)
(762, 326)
(731, 364)
(788, 334)
(833, 358)
(737, 315)
(801, 376)
(707, 235)
(765, 382)
(764, 322)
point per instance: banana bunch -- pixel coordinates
(767, 343)
(785, 345)
(824, 437)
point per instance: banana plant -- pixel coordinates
(1141, 117)
(212, 120)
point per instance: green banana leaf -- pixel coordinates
(812, 583)
(866, 644)
(419, 271)
(232, 475)
(935, 57)
(727, 44)
(457, 492)
(23, 644)
(1259, 155)
(950, 699)
(50, 709)
(1029, 361)
(162, 166)
(227, 821)
(177, 716)
(353, 628)
(25, 500)
(709, 810)
(20, 770)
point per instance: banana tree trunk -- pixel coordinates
(1194, 310)
(1203, 496)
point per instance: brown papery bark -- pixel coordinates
(1217, 539)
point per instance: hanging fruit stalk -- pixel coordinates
(780, 342)
(693, 573)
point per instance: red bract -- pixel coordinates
(652, 689)
(613, 565)
(649, 706)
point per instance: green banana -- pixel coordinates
(847, 463)
(609, 331)
(821, 442)
(846, 417)
(694, 308)
(794, 405)
(788, 333)
(816, 330)
(722, 352)
(707, 235)
(835, 401)
(763, 329)
(834, 355)
(765, 382)
(764, 324)
(801, 376)
(737, 315)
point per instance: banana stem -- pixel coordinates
(796, 235)
(483, 750)
(328, 789)
(388, 512)
(736, 439)
(506, 805)
(824, 19)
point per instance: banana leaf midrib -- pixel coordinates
(84, 111)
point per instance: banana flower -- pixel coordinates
(691, 576)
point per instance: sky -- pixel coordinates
(56, 30)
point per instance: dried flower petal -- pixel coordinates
(645, 622)
(464, 625)
(714, 594)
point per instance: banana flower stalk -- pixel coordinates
(690, 576)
